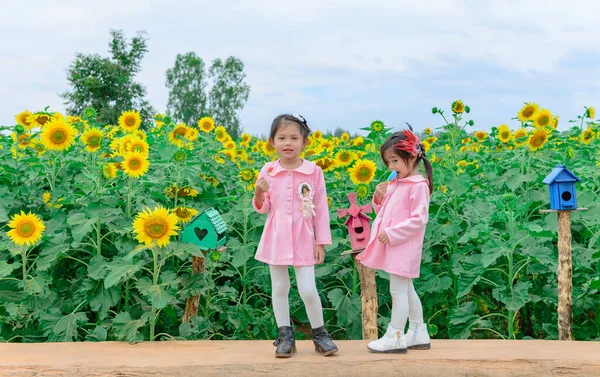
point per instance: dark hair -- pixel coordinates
(390, 143)
(298, 119)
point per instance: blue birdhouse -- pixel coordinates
(561, 183)
(207, 230)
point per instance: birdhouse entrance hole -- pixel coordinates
(566, 196)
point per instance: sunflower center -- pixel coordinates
(505, 135)
(94, 141)
(26, 229)
(182, 212)
(138, 148)
(156, 228)
(345, 157)
(528, 111)
(544, 120)
(135, 164)
(538, 140)
(43, 119)
(179, 131)
(364, 173)
(130, 121)
(58, 136)
(24, 139)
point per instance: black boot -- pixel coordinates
(286, 343)
(323, 342)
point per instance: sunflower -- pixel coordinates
(109, 170)
(130, 121)
(206, 124)
(317, 135)
(247, 175)
(241, 155)
(138, 145)
(481, 135)
(180, 131)
(229, 153)
(23, 119)
(466, 140)
(219, 160)
(92, 139)
(555, 122)
(327, 145)
(221, 133)
(458, 106)
(357, 141)
(590, 112)
(543, 118)
(185, 214)
(427, 131)
(229, 145)
(155, 226)
(192, 134)
(184, 192)
(38, 120)
(58, 135)
(528, 112)
(268, 149)
(245, 139)
(504, 134)
(377, 126)
(519, 135)
(25, 229)
(344, 158)
(362, 190)
(587, 136)
(141, 134)
(25, 140)
(345, 137)
(135, 164)
(426, 145)
(538, 138)
(462, 164)
(363, 171)
(325, 163)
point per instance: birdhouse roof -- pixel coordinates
(216, 220)
(560, 174)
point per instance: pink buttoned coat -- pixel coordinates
(292, 229)
(402, 214)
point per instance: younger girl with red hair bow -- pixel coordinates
(396, 243)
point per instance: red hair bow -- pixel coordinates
(410, 144)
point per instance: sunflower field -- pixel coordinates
(91, 216)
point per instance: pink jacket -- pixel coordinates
(297, 214)
(402, 214)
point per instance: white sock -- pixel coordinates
(305, 276)
(280, 286)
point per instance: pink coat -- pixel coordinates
(402, 214)
(297, 214)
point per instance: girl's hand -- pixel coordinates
(319, 254)
(380, 191)
(262, 186)
(383, 238)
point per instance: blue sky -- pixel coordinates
(339, 63)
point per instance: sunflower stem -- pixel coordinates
(127, 285)
(24, 262)
(98, 238)
(130, 184)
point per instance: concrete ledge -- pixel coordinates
(446, 358)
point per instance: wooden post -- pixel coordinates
(565, 273)
(368, 298)
(191, 304)
(565, 276)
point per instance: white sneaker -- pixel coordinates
(392, 341)
(417, 336)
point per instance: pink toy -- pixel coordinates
(357, 223)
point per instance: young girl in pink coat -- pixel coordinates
(396, 243)
(291, 191)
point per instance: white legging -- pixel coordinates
(280, 283)
(405, 302)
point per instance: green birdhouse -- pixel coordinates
(207, 230)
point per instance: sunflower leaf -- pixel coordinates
(121, 270)
(156, 293)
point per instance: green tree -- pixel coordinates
(187, 88)
(107, 84)
(229, 93)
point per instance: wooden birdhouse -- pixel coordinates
(357, 223)
(207, 230)
(561, 183)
